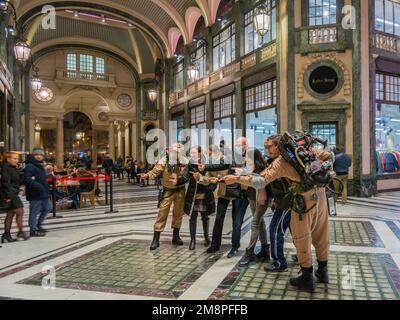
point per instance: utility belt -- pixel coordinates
(299, 203)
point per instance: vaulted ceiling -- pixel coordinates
(140, 31)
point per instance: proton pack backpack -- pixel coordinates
(297, 150)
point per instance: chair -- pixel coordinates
(90, 194)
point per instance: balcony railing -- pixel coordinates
(85, 78)
(387, 42)
(68, 74)
(259, 56)
(322, 35)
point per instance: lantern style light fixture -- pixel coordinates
(36, 83)
(261, 20)
(193, 72)
(22, 51)
(152, 93)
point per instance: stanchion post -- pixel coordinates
(111, 198)
(53, 196)
(106, 187)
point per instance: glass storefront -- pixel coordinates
(224, 120)
(199, 125)
(387, 124)
(261, 114)
(325, 131)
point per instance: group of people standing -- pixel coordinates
(35, 179)
(254, 182)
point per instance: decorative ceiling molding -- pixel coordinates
(213, 5)
(173, 36)
(193, 14)
(203, 5)
(176, 17)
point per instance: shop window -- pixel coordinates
(178, 125)
(198, 58)
(224, 47)
(178, 76)
(387, 16)
(322, 12)
(198, 123)
(261, 117)
(224, 119)
(252, 38)
(326, 131)
(387, 122)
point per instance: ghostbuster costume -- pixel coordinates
(309, 219)
(171, 194)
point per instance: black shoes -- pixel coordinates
(40, 229)
(176, 240)
(305, 281)
(247, 258)
(6, 237)
(322, 272)
(156, 241)
(212, 249)
(22, 236)
(37, 234)
(232, 253)
(263, 255)
(275, 267)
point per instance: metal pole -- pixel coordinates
(53, 196)
(106, 188)
(111, 198)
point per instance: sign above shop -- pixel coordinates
(323, 80)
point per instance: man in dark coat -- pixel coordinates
(37, 192)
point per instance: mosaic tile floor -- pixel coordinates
(352, 277)
(351, 233)
(128, 267)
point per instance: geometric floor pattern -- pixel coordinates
(351, 233)
(352, 277)
(107, 256)
(128, 267)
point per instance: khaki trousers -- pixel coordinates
(178, 199)
(313, 229)
(343, 179)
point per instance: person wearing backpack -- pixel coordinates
(11, 180)
(307, 229)
(37, 192)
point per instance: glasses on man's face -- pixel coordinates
(268, 146)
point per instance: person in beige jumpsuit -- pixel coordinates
(172, 194)
(311, 229)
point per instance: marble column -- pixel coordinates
(60, 142)
(111, 140)
(32, 134)
(127, 140)
(134, 141)
(94, 147)
(120, 146)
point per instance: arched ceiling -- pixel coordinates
(158, 24)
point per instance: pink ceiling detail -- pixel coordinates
(213, 5)
(173, 37)
(192, 15)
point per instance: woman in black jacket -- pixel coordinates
(11, 181)
(199, 198)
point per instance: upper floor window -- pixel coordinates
(224, 47)
(178, 76)
(252, 38)
(198, 58)
(261, 96)
(387, 88)
(86, 65)
(198, 116)
(387, 16)
(322, 12)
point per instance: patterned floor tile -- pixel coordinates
(128, 267)
(352, 276)
(351, 233)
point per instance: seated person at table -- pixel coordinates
(84, 186)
